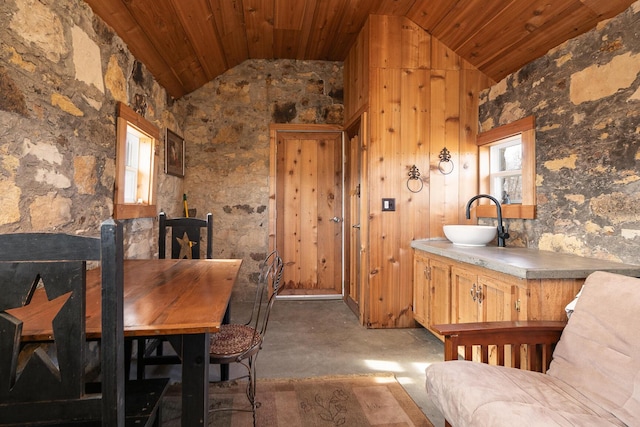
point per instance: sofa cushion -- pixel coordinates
(476, 394)
(599, 351)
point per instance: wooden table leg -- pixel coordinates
(195, 380)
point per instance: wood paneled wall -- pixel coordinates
(420, 97)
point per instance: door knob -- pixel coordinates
(336, 219)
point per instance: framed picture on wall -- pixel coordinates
(174, 151)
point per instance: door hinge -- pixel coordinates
(517, 304)
(427, 273)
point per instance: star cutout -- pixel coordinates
(39, 311)
(185, 246)
(37, 314)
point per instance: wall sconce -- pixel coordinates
(445, 165)
(414, 175)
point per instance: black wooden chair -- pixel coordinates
(185, 235)
(241, 343)
(44, 383)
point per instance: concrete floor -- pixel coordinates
(314, 338)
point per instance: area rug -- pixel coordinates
(352, 400)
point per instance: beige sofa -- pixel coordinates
(593, 378)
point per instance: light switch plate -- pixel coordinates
(388, 205)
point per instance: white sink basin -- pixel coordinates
(470, 235)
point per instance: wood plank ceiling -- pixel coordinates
(186, 43)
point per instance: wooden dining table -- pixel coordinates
(185, 299)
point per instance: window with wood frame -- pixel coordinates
(508, 169)
(136, 165)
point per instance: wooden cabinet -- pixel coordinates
(449, 291)
(431, 291)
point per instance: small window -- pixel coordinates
(136, 159)
(507, 169)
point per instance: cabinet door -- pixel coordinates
(464, 306)
(440, 293)
(496, 299)
(420, 289)
(497, 303)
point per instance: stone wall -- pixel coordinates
(226, 126)
(585, 96)
(62, 72)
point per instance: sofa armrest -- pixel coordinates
(531, 342)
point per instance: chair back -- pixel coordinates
(46, 381)
(185, 236)
(269, 286)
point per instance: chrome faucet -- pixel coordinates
(502, 232)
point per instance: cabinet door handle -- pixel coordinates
(480, 296)
(474, 293)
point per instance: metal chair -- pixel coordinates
(241, 343)
(43, 382)
(185, 235)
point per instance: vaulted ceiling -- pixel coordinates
(187, 43)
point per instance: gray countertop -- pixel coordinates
(525, 263)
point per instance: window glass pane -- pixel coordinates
(508, 189)
(506, 170)
(133, 144)
(131, 167)
(130, 185)
(511, 158)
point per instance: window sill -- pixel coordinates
(508, 211)
(134, 211)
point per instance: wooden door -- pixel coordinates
(309, 211)
(353, 244)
